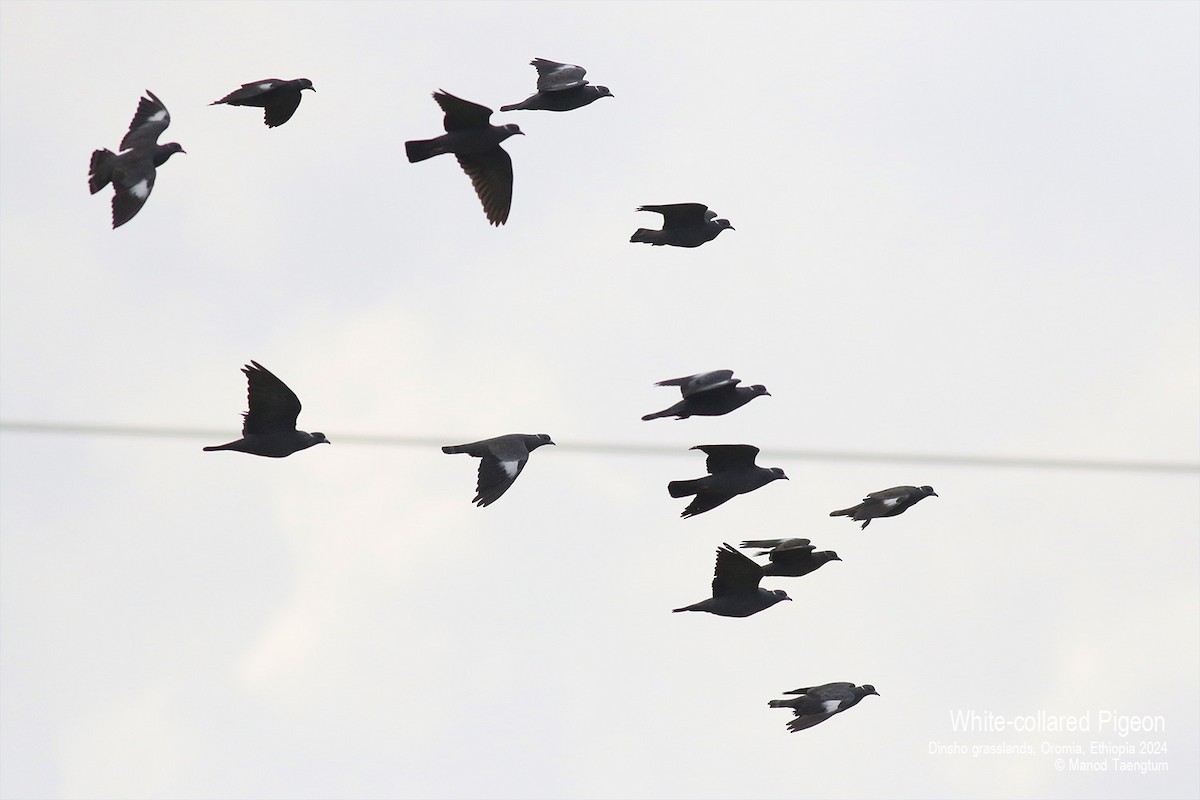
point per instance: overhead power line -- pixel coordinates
(387, 440)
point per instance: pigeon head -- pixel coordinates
(602, 91)
(778, 473)
(780, 594)
(541, 438)
(828, 555)
(319, 438)
(926, 491)
(758, 389)
(304, 83)
(722, 224)
(510, 130)
(165, 151)
(869, 689)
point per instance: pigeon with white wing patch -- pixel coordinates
(816, 704)
(279, 99)
(132, 171)
(501, 460)
(885, 503)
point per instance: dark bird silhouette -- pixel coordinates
(475, 142)
(733, 472)
(885, 503)
(269, 427)
(501, 460)
(132, 171)
(560, 87)
(684, 225)
(735, 591)
(791, 558)
(708, 394)
(818, 703)
(279, 99)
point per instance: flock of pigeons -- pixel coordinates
(269, 424)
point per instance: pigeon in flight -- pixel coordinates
(791, 558)
(708, 394)
(735, 591)
(684, 225)
(501, 461)
(279, 98)
(132, 171)
(475, 142)
(733, 472)
(269, 428)
(885, 503)
(816, 704)
(560, 87)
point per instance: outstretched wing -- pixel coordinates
(554, 76)
(735, 573)
(149, 121)
(273, 406)
(462, 114)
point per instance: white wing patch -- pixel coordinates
(158, 116)
(832, 705)
(510, 467)
(891, 501)
(262, 87)
(141, 189)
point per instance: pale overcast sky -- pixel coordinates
(961, 228)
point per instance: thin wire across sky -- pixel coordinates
(625, 448)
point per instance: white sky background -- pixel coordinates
(961, 228)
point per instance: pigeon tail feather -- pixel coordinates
(644, 235)
(684, 488)
(421, 149)
(100, 170)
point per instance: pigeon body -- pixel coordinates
(475, 142)
(708, 394)
(791, 558)
(733, 472)
(560, 87)
(279, 99)
(816, 704)
(501, 460)
(684, 225)
(132, 171)
(269, 427)
(885, 503)
(735, 590)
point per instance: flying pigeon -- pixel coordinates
(684, 225)
(791, 558)
(708, 394)
(476, 144)
(818, 703)
(279, 98)
(501, 461)
(132, 171)
(733, 472)
(885, 503)
(735, 591)
(560, 87)
(269, 428)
